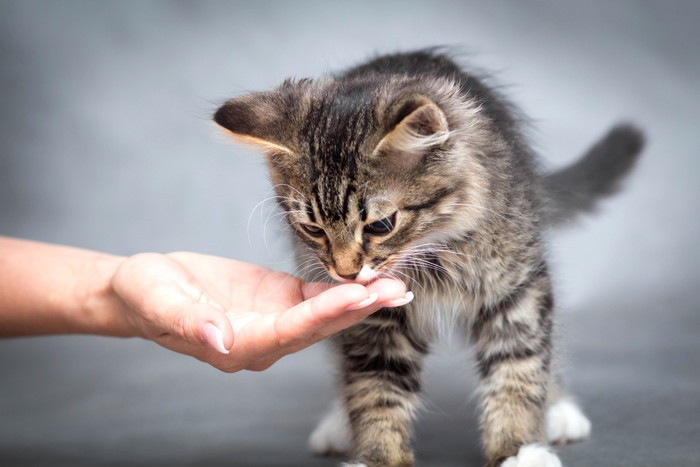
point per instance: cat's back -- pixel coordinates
(419, 63)
(435, 64)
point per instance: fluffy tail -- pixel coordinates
(579, 187)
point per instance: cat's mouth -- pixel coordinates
(363, 276)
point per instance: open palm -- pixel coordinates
(259, 315)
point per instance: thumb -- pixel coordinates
(165, 300)
(203, 322)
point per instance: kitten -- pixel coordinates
(409, 166)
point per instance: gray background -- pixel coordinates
(105, 143)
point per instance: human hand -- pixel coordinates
(234, 315)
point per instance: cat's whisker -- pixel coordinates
(293, 276)
(283, 217)
(271, 214)
(392, 271)
(319, 275)
(417, 131)
(286, 185)
(252, 213)
(511, 220)
(311, 268)
(428, 249)
(307, 258)
(416, 263)
(302, 269)
(389, 201)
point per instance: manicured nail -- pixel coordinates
(400, 301)
(365, 303)
(215, 338)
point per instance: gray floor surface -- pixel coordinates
(106, 144)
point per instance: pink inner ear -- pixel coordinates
(420, 130)
(263, 145)
(427, 121)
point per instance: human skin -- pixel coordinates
(230, 314)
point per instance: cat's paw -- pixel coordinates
(353, 464)
(566, 423)
(332, 435)
(533, 455)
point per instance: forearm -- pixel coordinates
(50, 289)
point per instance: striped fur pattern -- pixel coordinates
(408, 166)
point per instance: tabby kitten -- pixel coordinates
(409, 166)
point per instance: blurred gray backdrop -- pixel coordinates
(106, 143)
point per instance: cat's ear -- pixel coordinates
(260, 119)
(415, 126)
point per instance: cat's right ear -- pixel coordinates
(258, 119)
(415, 125)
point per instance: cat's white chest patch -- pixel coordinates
(444, 314)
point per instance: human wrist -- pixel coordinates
(101, 310)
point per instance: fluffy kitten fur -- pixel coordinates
(410, 166)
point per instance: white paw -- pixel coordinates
(353, 465)
(566, 423)
(533, 455)
(332, 435)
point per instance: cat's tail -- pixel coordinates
(578, 188)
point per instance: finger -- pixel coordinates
(324, 301)
(388, 290)
(332, 310)
(337, 308)
(204, 323)
(299, 323)
(166, 300)
(311, 289)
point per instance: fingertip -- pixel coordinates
(364, 303)
(215, 338)
(357, 297)
(388, 288)
(344, 297)
(216, 330)
(397, 302)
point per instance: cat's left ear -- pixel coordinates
(415, 125)
(260, 119)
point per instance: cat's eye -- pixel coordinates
(382, 226)
(313, 230)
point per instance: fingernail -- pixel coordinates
(400, 301)
(366, 302)
(215, 338)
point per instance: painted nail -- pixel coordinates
(215, 338)
(400, 301)
(365, 303)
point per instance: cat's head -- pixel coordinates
(371, 173)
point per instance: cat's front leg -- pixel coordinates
(513, 349)
(382, 358)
